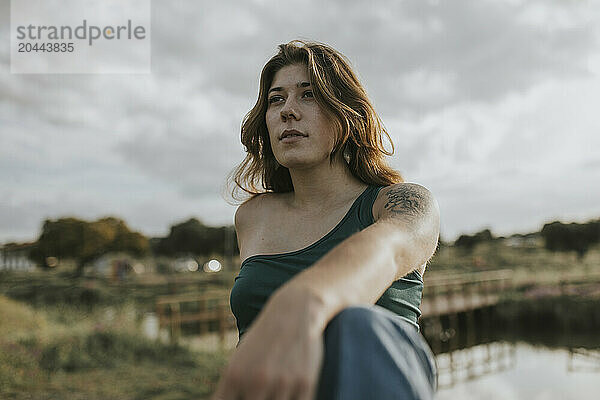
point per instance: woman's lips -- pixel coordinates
(292, 139)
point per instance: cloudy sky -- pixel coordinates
(492, 105)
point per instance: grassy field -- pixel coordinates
(529, 264)
(62, 352)
(65, 338)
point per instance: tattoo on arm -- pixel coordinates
(407, 201)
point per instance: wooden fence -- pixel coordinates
(464, 292)
(443, 295)
(206, 309)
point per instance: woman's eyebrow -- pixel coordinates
(279, 88)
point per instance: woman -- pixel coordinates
(333, 231)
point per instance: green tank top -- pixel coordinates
(260, 275)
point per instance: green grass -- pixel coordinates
(528, 263)
(65, 338)
(43, 288)
(49, 354)
(104, 366)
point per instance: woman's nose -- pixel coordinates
(289, 110)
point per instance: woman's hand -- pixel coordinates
(280, 356)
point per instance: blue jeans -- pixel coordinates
(371, 353)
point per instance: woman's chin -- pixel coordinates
(296, 164)
(300, 163)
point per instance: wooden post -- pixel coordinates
(222, 321)
(171, 285)
(160, 312)
(437, 337)
(175, 321)
(471, 329)
(453, 331)
(202, 326)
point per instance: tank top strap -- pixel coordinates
(365, 206)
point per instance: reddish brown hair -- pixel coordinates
(338, 91)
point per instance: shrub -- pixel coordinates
(107, 349)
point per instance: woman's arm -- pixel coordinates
(357, 271)
(282, 352)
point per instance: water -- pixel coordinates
(497, 367)
(503, 371)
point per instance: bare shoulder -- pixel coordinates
(409, 202)
(249, 211)
(252, 221)
(258, 208)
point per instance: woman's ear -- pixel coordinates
(347, 153)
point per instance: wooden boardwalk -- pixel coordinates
(442, 296)
(464, 292)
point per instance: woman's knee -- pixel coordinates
(359, 321)
(370, 344)
(355, 313)
(376, 327)
(354, 317)
(360, 315)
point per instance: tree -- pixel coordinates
(193, 237)
(571, 237)
(86, 241)
(467, 242)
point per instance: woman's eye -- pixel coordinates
(274, 99)
(308, 93)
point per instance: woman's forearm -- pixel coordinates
(357, 271)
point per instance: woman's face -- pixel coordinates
(301, 134)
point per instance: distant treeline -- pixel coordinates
(557, 236)
(86, 241)
(571, 237)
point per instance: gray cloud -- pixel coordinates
(479, 97)
(196, 165)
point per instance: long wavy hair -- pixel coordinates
(336, 88)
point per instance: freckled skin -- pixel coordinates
(293, 106)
